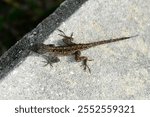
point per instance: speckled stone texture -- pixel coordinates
(120, 70)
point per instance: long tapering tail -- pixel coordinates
(109, 41)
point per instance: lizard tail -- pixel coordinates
(109, 41)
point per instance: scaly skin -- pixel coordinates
(71, 48)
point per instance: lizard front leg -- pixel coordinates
(50, 60)
(67, 39)
(84, 59)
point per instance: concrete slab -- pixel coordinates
(120, 70)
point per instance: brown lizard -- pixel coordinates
(70, 48)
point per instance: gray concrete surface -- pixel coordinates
(120, 70)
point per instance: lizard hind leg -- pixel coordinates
(84, 59)
(67, 39)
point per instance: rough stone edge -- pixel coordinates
(19, 51)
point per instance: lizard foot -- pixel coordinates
(50, 60)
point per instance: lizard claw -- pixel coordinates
(61, 32)
(65, 36)
(71, 34)
(86, 67)
(50, 60)
(46, 63)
